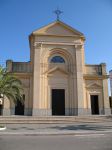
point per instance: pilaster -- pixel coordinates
(106, 97)
(36, 79)
(6, 107)
(79, 74)
(9, 65)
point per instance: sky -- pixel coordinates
(18, 18)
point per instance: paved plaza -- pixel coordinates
(54, 129)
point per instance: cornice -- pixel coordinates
(58, 35)
(58, 43)
(21, 74)
(100, 77)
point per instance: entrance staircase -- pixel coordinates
(52, 119)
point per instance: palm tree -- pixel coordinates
(10, 86)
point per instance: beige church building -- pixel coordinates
(56, 80)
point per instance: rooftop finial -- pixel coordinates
(58, 12)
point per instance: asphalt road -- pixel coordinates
(73, 142)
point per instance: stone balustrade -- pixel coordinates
(95, 69)
(22, 67)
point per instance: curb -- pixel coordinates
(55, 133)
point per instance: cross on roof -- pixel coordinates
(58, 12)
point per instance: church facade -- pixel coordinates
(56, 80)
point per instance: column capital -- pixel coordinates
(78, 47)
(37, 45)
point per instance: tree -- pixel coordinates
(10, 86)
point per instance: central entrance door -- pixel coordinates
(58, 102)
(94, 104)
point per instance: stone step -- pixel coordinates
(52, 119)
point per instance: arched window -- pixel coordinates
(57, 59)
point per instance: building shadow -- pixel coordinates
(82, 127)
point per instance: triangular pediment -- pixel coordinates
(58, 28)
(57, 71)
(94, 85)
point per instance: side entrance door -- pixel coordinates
(1, 109)
(94, 104)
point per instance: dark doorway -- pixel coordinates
(1, 109)
(19, 108)
(58, 102)
(94, 104)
